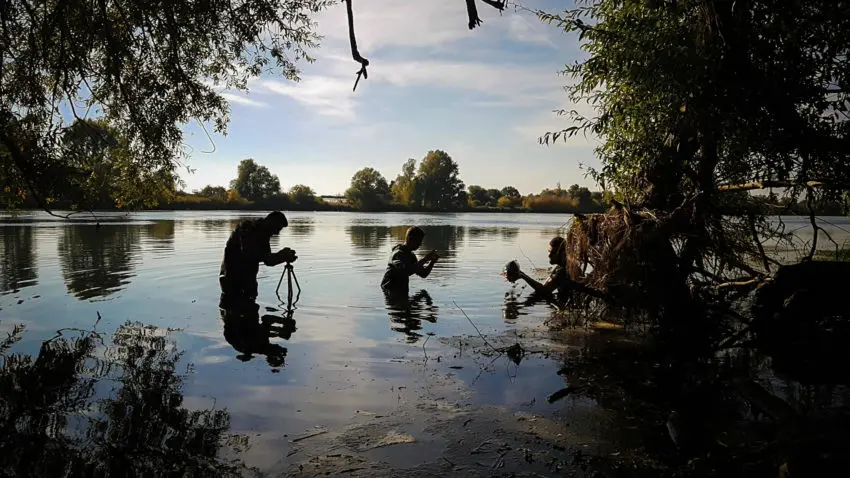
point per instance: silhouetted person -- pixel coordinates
(246, 248)
(559, 279)
(403, 262)
(249, 334)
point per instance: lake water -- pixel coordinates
(147, 284)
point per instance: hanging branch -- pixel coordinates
(472, 11)
(355, 53)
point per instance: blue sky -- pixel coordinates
(484, 96)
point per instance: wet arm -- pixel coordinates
(423, 270)
(272, 259)
(545, 288)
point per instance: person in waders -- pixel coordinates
(403, 263)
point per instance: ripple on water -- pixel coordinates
(345, 350)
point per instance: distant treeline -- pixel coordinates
(433, 186)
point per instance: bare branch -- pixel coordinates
(352, 40)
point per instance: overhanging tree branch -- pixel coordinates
(355, 53)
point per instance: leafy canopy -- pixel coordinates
(369, 189)
(146, 68)
(254, 181)
(437, 183)
(693, 94)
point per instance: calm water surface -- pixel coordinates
(152, 278)
(348, 350)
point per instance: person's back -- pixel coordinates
(245, 249)
(248, 246)
(403, 262)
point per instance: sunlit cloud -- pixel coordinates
(241, 100)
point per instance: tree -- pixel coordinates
(234, 197)
(581, 195)
(477, 195)
(404, 187)
(437, 182)
(695, 102)
(673, 114)
(217, 193)
(369, 189)
(99, 170)
(124, 60)
(507, 201)
(254, 182)
(493, 196)
(302, 195)
(511, 192)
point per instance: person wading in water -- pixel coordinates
(403, 263)
(247, 247)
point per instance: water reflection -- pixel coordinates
(249, 334)
(17, 258)
(506, 233)
(74, 411)
(301, 226)
(726, 417)
(407, 312)
(160, 235)
(98, 261)
(216, 227)
(367, 237)
(443, 239)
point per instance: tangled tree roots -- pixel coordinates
(624, 253)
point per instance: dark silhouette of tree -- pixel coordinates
(98, 261)
(511, 192)
(138, 428)
(254, 182)
(369, 190)
(17, 258)
(582, 196)
(437, 183)
(478, 196)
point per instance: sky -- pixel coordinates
(484, 96)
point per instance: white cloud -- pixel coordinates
(234, 98)
(329, 96)
(523, 30)
(380, 23)
(527, 84)
(432, 23)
